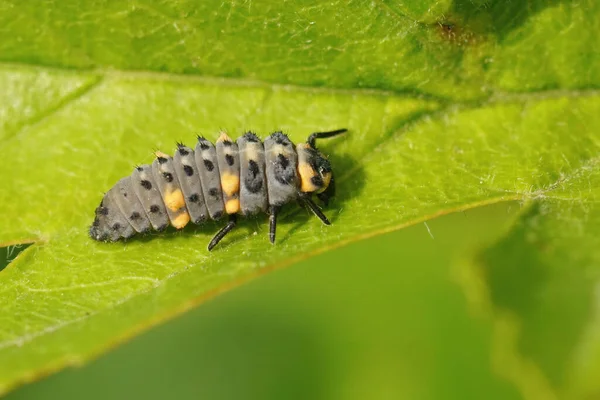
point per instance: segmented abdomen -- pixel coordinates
(195, 184)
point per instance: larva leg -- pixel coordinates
(224, 231)
(316, 210)
(273, 223)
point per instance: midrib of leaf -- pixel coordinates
(446, 103)
(62, 103)
(108, 72)
(102, 75)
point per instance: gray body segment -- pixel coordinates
(166, 179)
(189, 180)
(146, 189)
(253, 185)
(229, 171)
(281, 161)
(110, 224)
(208, 169)
(115, 220)
(130, 206)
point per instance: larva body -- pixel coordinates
(229, 178)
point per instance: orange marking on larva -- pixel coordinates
(232, 206)
(161, 154)
(306, 172)
(230, 184)
(174, 200)
(181, 220)
(223, 137)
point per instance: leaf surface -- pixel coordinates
(457, 114)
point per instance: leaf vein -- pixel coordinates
(57, 107)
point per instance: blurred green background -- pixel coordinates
(384, 318)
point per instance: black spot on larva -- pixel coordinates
(116, 226)
(253, 181)
(230, 160)
(154, 208)
(189, 171)
(135, 216)
(146, 184)
(317, 181)
(162, 227)
(194, 198)
(209, 165)
(283, 172)
(182, 150)
(213, 191)
(227, 143)
(161, 160)
(96, 222)
(102, 210)
(200, 220)
(125, 194)
(253, 168)
(251, 137)
(168, 176)
(217, 215)
(140, 169)
(283, 161)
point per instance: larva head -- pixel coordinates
(324, 174)
(315, 173)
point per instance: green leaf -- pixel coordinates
(90, 92)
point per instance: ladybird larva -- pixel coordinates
(229, 177)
